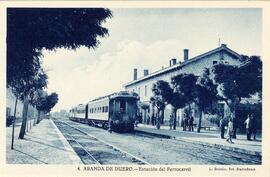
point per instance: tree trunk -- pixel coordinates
(145, 116)
(200, 121)
(152, 115)
(27, 125)
(34, 119)
(158, 119)
(162, 116)
(234, 120)
(30, 122)
(232, 106)
(14, 122)
(38, 118)
(24, 121)
(174, 117)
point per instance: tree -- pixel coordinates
(237, 82)
(39, 100)
(44, 102)
(39, 81)
(52, 28)
(182, 85)
(51, 101)
(162, 93)
(204, 94)
(46, 28)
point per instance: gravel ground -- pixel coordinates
(165, 151)
(90, 150)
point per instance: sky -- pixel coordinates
(147, 39)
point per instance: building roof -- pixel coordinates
(223, 47)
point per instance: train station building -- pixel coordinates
(196, 65)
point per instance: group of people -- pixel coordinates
(188, 123)
(249, 124)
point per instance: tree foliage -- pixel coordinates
(237, 82)
(182, 85)
(45, 102)
(29, 30)
(162, 94)
(205, 91)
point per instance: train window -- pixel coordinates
(122, 105)
(106, 108)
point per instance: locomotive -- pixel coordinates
(120, 109)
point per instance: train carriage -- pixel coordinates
(120, 109)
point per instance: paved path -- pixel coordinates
(43, 144)
(207, 137)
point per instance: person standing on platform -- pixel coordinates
(230, 131)
(171, 122)
(187, 122)
(253, 127)
(148, 120)
(248, 127)
(190, 123)
(222, 127)
(184, 122)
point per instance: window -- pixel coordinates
(145, 90)
(214, 62)
(8, 110)
(122, 105)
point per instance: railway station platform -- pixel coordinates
(42, 144)
(210, 138)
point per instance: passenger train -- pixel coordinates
(120, 109)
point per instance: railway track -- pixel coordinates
(93, 150)
(220, 156)
(211, 154)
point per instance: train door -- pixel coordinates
(86, 111)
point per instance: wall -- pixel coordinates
(10, 103)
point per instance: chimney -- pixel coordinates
(135, 74)
(172, 61)
(223, 45)
(185, 54)
(145, 72)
